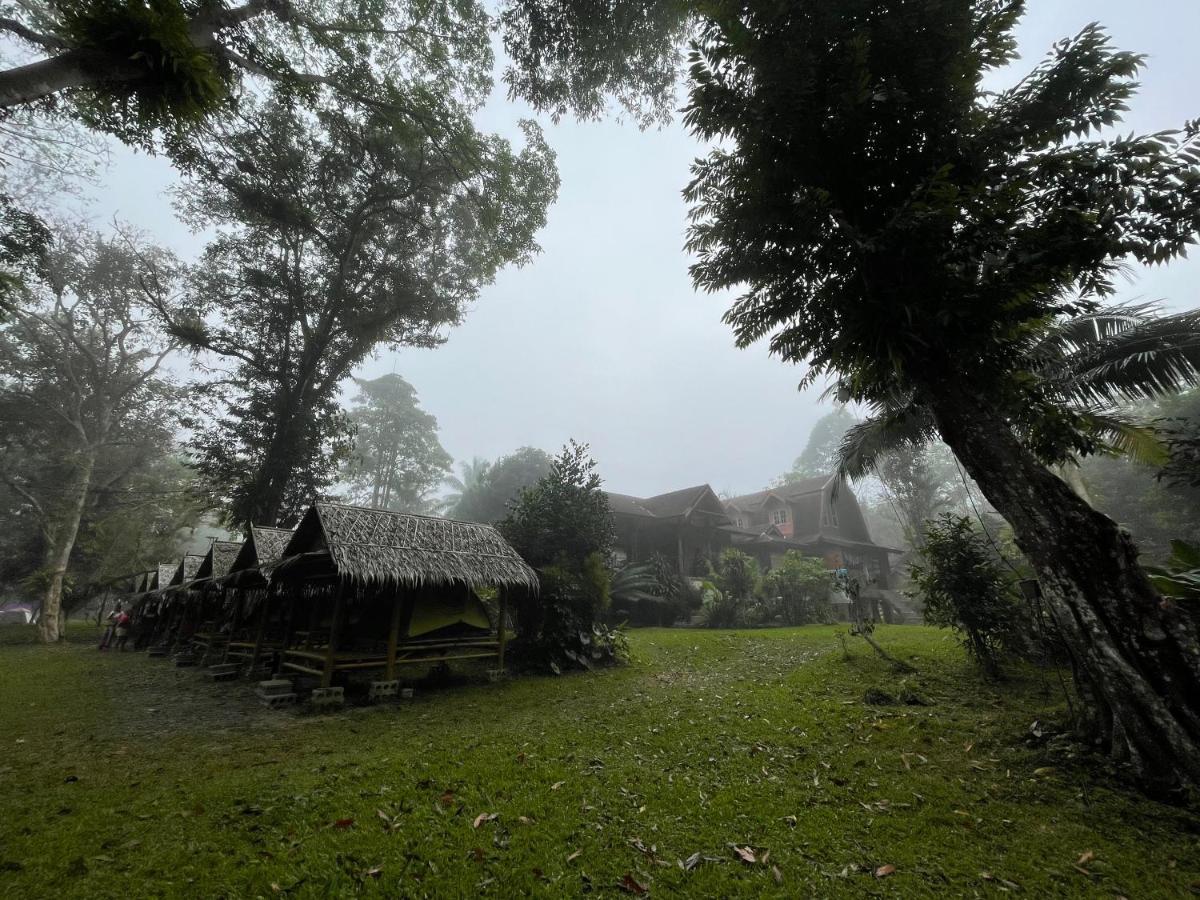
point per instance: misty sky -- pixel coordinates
(602, 338)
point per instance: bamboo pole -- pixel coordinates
(334, 627)
(288, 616)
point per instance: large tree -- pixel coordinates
(890, 220)
(339, 232)
(150, 72)
(397, 458)
(82, 407)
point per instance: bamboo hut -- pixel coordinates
(150, 618)
(374, 589)
(206, 599)
(173, 608)
(245, 584)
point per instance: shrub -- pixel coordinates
(728, 599)
(965, 588)
(799, 590)
(562, 527)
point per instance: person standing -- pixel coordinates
(106, 640)
(122, 630)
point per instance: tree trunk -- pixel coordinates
(1136, 654)
(59, 555)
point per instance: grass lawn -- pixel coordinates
(123, 777)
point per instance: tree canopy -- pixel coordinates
(397, 459)
(887, 220)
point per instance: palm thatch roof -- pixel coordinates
(218, 559)
(380, 547)
(185, 572)
(263, 547)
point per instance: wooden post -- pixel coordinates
(334, 627)
(394, 636)
(313, 622)
(501, 630)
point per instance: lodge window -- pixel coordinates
(779, 516)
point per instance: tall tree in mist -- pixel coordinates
(82, 409)
(339, 231)
(488, 490)
(397, 458)
(889, 220)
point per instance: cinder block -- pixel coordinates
(223, 672)
(326, 697)
(273, 688)
(382, 690)
(277, 701)
(406, 693)
(157, 651)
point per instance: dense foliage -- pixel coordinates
(870, 200)
(340, 232)
(797, 590)
(964, 587)
(562, 526)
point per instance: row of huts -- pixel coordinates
(349, 591)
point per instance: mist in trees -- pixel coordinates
(487, 491)
(396, 461)
(87, 414)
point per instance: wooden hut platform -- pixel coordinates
(381, 589)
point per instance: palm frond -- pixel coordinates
(1142, 362)
(1122, 436)
(636, 583)
(888, 429)
(1065, 337)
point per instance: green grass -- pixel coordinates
(120, 776)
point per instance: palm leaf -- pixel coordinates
(887, 430)
(1141, 362)
(1120, 436)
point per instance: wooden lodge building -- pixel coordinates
(817, 516)
(690, 527)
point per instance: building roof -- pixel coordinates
(672, 505)
(791, 490)
(390, 548)
(218, 559)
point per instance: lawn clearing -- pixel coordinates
(717, 764)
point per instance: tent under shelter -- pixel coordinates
(245, 586)
(370, 589)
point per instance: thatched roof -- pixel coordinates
(184, 572)
(262, 547)
(375, 546)
(218, 559)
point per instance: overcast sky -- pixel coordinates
(602, 338)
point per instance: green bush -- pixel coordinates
(965, 588)
(562, 527)
(799, 590)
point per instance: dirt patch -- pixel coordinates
(158, 699)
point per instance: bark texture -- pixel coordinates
(1136, 654)
(59, 555)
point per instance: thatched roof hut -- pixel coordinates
(394, 588)
(263, 547)
(384, 548)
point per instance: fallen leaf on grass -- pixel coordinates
(746, 854)
(1084, 858)
(344, 823)
(691, 862)
(557, 785)
(885, 871)
(631, 885)
(447, 799)
(574, 856)
(776, 874)
(1045, 770)
(484, 817)
(525, 820)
